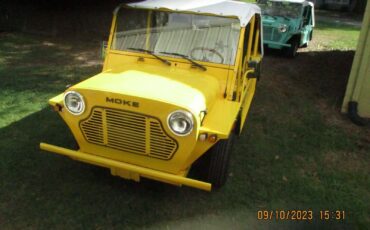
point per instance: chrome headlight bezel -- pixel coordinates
(81, 104)
(186, 116)
(283, 28)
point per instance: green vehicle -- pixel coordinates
(287, 24)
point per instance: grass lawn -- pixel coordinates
(345, 37)
(296, 153)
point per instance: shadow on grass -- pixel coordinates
(33, 69)
(40, 65)
(43, 190)
(322, 74)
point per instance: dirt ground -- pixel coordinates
(322, 73)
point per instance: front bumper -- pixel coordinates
(130, 168)
(275, 45)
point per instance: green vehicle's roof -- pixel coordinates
(303, 2)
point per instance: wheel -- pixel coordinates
(213, 166)
(291, 51)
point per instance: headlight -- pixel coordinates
(74, 102)
(283, 28)
(181, 122)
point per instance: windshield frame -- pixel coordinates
(110, 49)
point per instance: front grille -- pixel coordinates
(127, 131)
(271, 33)
(93, 127)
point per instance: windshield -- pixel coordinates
(200, 37)
(282, 9)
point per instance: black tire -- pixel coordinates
(217, 159)
(291, 51)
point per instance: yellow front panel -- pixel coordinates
(121, 132)
(118, 61)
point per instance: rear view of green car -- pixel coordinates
(287, 24)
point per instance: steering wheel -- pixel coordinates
(213, 51)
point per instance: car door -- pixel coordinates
(307, 25)
(250, 69)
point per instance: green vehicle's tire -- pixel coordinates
(291, 51)
(217, 159)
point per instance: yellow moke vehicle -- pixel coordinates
(176, 86)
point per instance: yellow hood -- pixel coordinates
(191, 89)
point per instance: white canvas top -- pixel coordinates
(297, 1)
(241, 10)
(303, 2)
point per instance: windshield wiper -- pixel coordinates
(151, 53)
(187, 58)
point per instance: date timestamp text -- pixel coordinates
(303, 215)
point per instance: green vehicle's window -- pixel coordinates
(281, 9)
(203, 38)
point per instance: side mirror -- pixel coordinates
(256, 66)
(103, 49)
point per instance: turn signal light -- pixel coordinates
(203, 137)
(212, 138)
